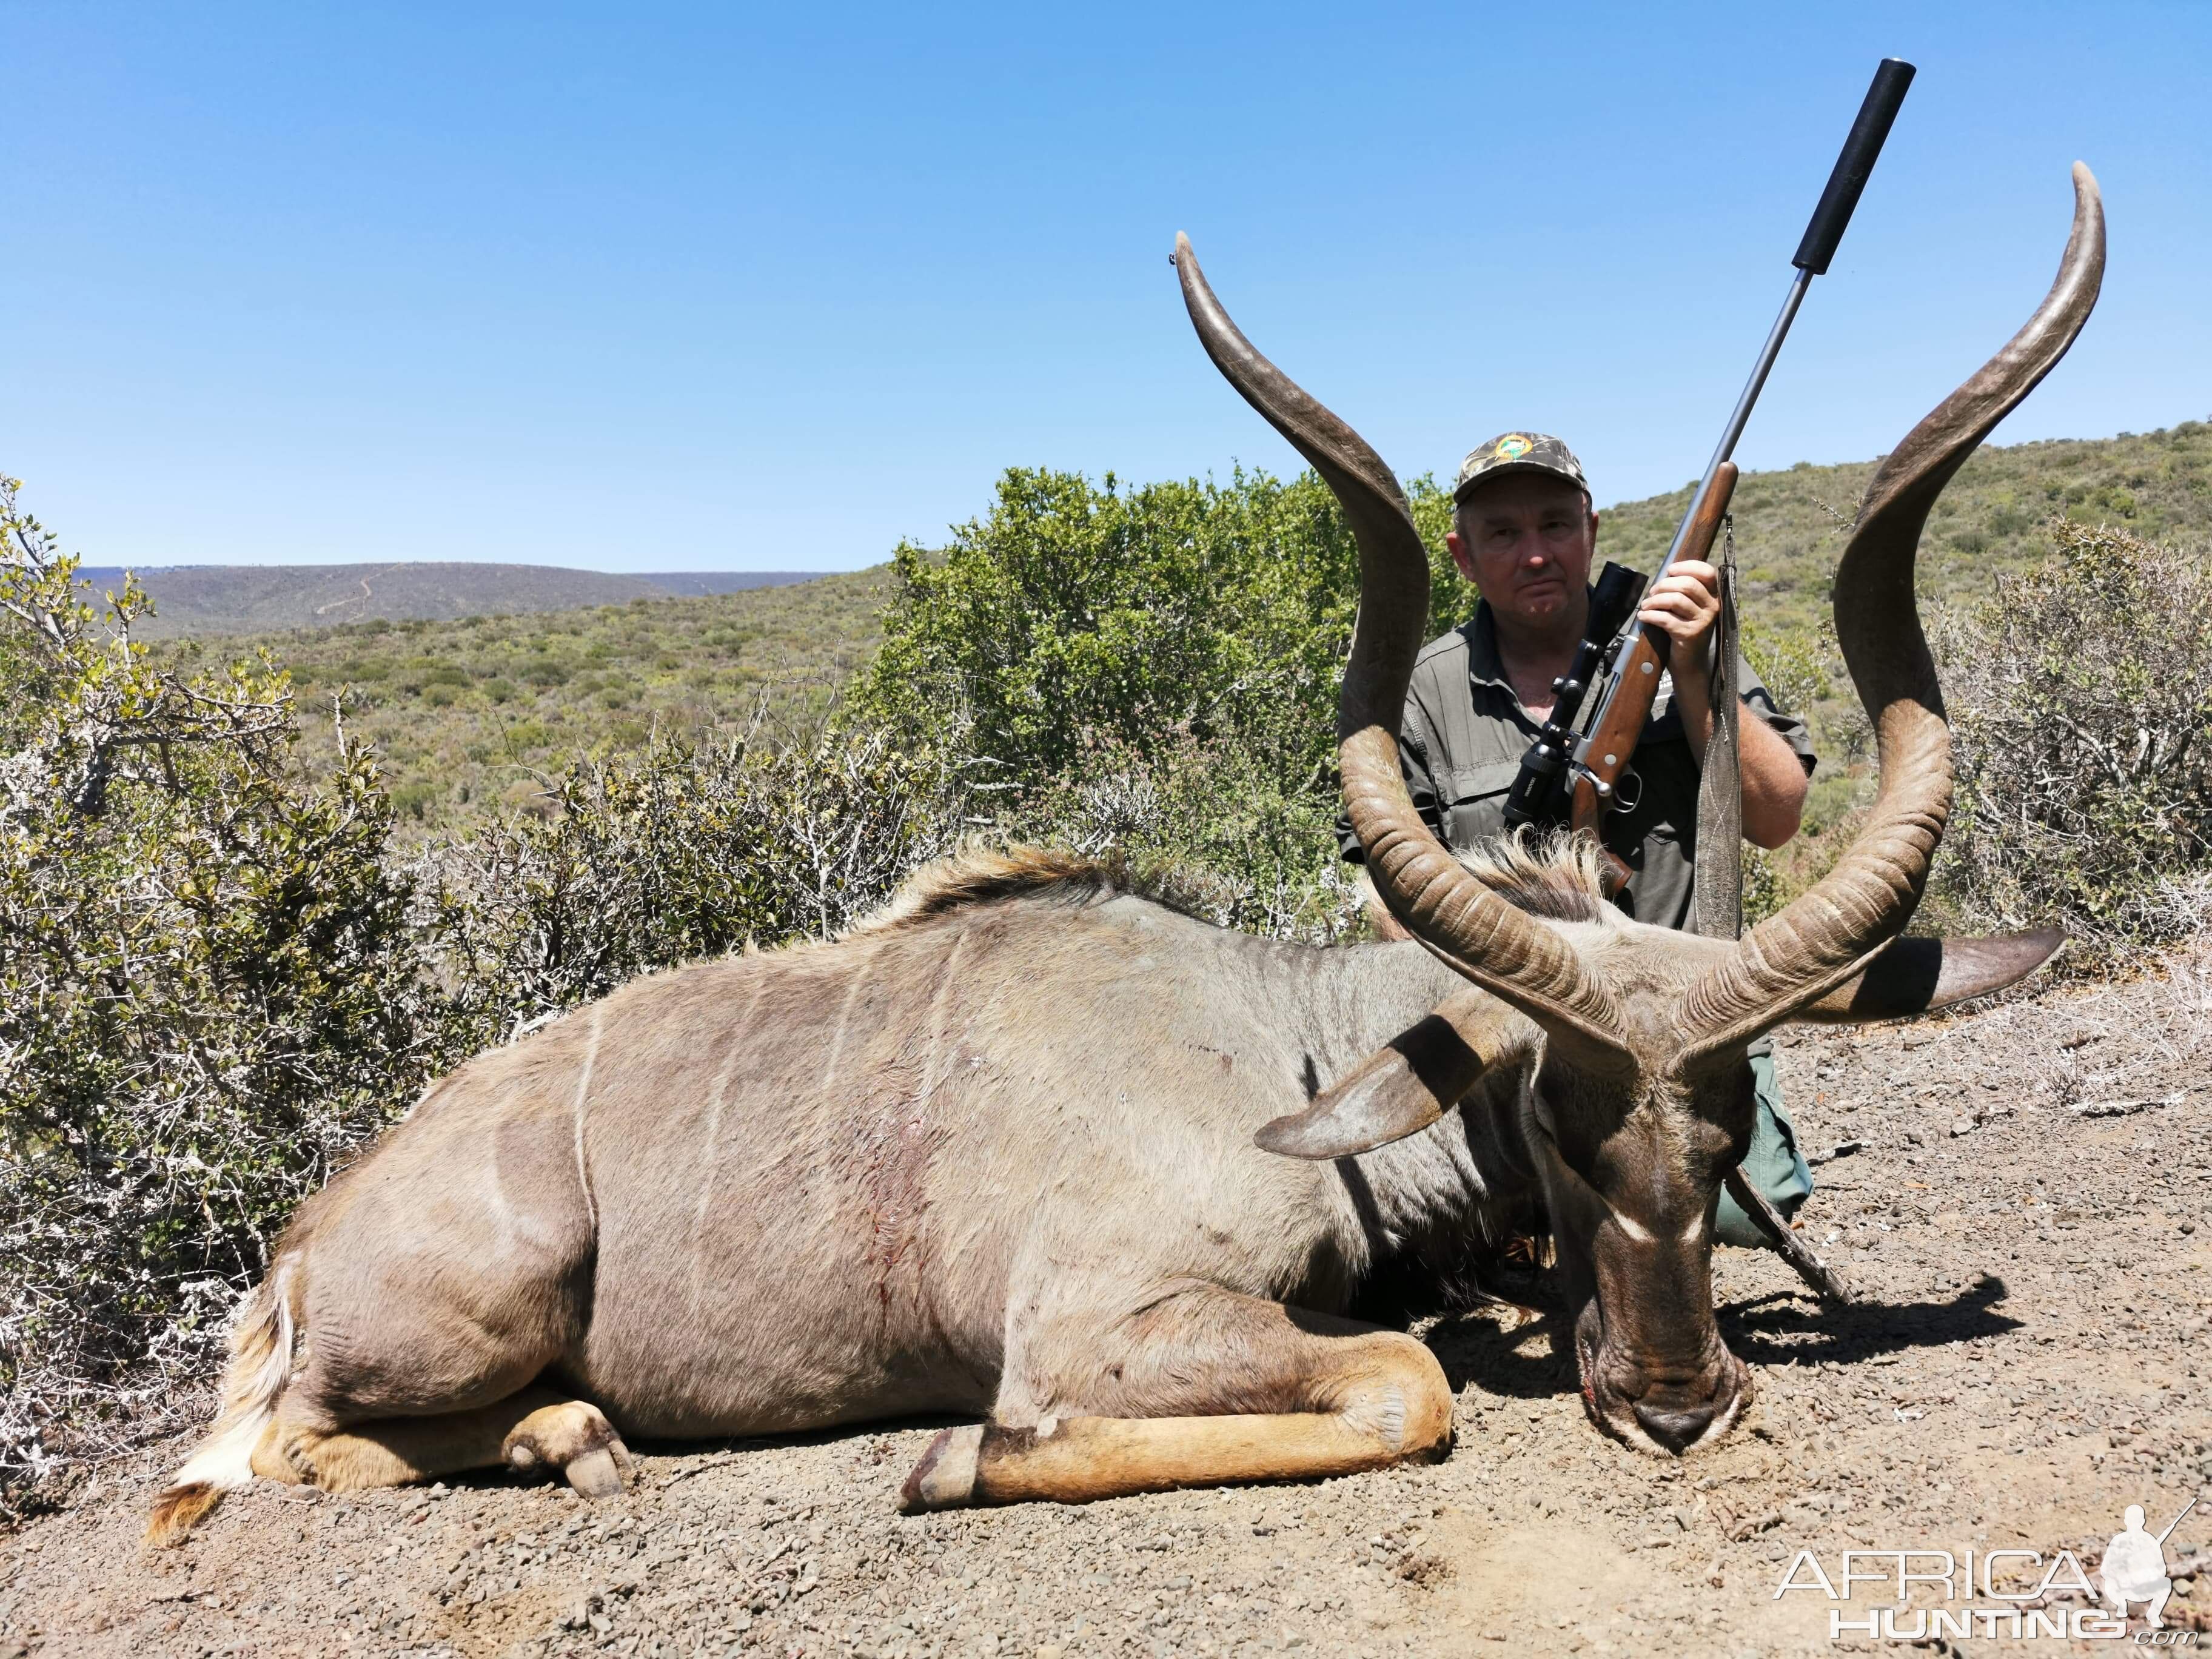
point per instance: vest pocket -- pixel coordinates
(1475, 801)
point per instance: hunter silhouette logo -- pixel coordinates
(2002, 1592)
(2134, 1567)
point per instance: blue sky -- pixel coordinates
(723, 288)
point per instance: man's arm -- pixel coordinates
(1684, 604)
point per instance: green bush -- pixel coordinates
(1151, 672)
(1794, 662)
(1076, 615)
(412, 799)
(1241, 844)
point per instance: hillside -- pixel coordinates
(691, 584)
(463, 712)
(1791, 525)
(239, 599)
(1994, 518)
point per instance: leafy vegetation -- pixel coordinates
(1075, 616)
(670, 854)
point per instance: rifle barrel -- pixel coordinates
(2177, 1521)
(1741, 415)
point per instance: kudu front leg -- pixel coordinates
(1206, 1388)
(540, 1430)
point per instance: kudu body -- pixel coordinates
(994, 1154)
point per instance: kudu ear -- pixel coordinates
(1402, 1087)
(1919, 975)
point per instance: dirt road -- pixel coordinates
(2030, 1356)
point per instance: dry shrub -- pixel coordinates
(677, 853)
(208, 996)
(2082, 703)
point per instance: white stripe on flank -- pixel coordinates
(844, 1014)
(495, 1196)
(583, 1092)
(709, 1152)
(929, 1075)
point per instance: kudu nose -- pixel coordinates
(1677, 1431)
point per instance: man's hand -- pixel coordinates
(1684, 604)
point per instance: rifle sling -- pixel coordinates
(1718, 885)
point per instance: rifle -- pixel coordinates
(1568, 776)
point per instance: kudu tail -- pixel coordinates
(260, 1362)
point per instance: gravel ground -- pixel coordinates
(2026, 1219)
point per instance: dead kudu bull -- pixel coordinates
(993, 1154)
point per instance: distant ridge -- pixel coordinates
(193, 599)
(696, 583)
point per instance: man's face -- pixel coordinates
(1526, 542)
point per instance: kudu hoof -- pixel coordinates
(575, 1438)
(595, 1474)
(945, 1477)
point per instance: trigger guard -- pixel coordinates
(1627, 791)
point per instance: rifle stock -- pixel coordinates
(1635, 680)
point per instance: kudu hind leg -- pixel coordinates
(1208, 1389)
(539, 1428)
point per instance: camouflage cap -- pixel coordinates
(1518, 452)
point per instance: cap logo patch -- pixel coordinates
(1512, 448)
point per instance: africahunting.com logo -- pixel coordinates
(2016, 1594)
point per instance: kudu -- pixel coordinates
(993, 1154)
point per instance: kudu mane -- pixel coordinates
(1558, 879)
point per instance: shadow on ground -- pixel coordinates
(1784, 1325)
(1777, 1328)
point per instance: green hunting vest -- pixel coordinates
(1464, 733)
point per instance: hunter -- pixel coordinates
(1524, 531)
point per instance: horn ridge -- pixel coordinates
(1829, 932)
(1465, 925)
